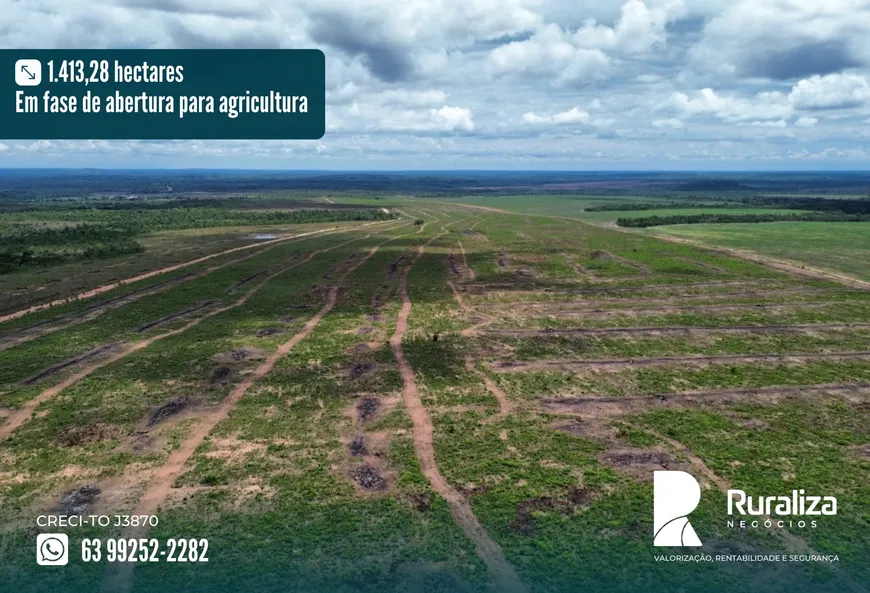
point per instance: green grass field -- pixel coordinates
(611, 216)
(842, 247)
(475, 404)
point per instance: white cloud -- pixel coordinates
(778, 123)
(731, 108)
(669, 123)
(835, 91)
(572, 116)
(785, 39)
(806, 122)
(550, 52)
(506, 79)
(452, 119)
(585, 54)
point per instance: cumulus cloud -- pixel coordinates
(835, 91)
(491, 82)
(731, 108)
(450, 119)
(550, 52)
(786, 39)
(585, 54)
(573, 116)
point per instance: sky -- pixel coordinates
(507, 84)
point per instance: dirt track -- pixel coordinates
(652, 330)
(94, 311)
(657, 300)
(560, 312)
(472, 276)
(107, 287)
(607, 407)
(783, 266)
(503, 401)
(617, 363)
(23, 414)
(119, 577)
(503, 574)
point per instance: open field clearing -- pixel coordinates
(472, 404)
(835, 246)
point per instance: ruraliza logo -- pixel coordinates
(676, 495)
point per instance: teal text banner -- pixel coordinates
(162, 94)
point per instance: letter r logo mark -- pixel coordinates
(676, 494)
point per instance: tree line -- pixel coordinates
(650, 221)
(26, 240)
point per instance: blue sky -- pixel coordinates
(508, 84)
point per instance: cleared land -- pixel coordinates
(836, 246)
(473, 404)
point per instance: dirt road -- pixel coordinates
(107, 287)
(119, 578)
(503, 574)
(23, 414)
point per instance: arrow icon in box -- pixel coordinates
(28, 72)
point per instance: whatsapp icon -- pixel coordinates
(52, 549)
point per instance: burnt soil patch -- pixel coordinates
(73, 436)
(368, 478)
(360, 369)
(269, 331)
(174, 316)
(76, 501)
(220, 375)
(53, 370)
(367, 408)
(244, 281)
(171, 408)
(358, 446)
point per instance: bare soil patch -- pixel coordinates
(694, 262)
(602, 255)
(599, 313)
(240, 355)
(85, 435)
(524, 521)
(142, 441)
(609, 407)
(617, 363)
(595, 430)
(678, 329)
(474, 235)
